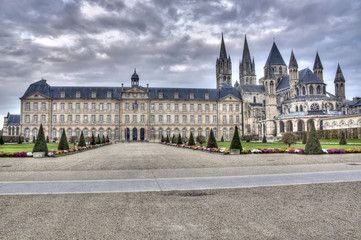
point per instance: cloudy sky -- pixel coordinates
(171, 43)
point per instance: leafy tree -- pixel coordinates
(236, 142)
(107, 139)
(82, 142)
(63, 144)
(173, 139)
(201, 139)
(73, 140)
(2, 140)
(304, 140)
(40, 144)
(103, 139)
(47, 139)
(191, 140)
(222, 139)
(99, 140)
(313, 144)
(92, 142)
(20, 140)
(179, 139)
(167, 139)
(289, 138)
(343, 139)
(212, 142)
(264, 140)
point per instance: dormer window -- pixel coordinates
(191, 96)
(160, 95)
(77, 95)
(206, 96)
(94, 94)
(134, 95)
(176, 95)
(109, 94)
(62, 94)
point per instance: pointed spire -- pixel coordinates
(293, 61)
(318, 63)
(246, 58)
(275, 57)
(269, 72)
(339, 75)
(223, 52)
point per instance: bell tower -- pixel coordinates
(223, 67)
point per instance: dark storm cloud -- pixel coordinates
(171, 43)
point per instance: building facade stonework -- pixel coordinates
(285, 99)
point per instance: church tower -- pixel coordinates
(223, 67)
(247, 73)
(270, 84)
(293, 73)
(339, 84)
(318, 68)
(135, 79)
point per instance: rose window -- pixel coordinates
(315, 107)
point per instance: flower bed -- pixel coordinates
(263, 151)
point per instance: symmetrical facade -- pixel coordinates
(285, 99)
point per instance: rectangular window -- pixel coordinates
(176, 95)
(54, 106)
(109, 106)
(160, 95)
(191, 96)
(199, 107)
(78, 106)
(237, 107)
(184, 118)
(134, 118)
(62, 94)
(101, 106)
(231, 119)
(77, 118)
(77, 94)
(176, 107)
(184, 107)
(168, 118)
(27, 106)
(109, 118)
(54, 118)
(237, 119)
(62, 106)
(43, 106)
(127, 106)
(142, 118)
(35, 106)
(27, 118)
(109, 94)
(70, 106)
(207, 107)
(199, 118)
(176, 118)
(94, 94)
(127, 118)
(54, 133)
(85, 106)
(192, 119)
(214, 107)
(206, 96)
(214, 118)
(62, 118)
(85, 118)
(207, 119)
(224, 119)
(152, 118)
(93, 119)
(160, 107)
(93, 106)
(224, 107)
(142, 106)
(160, 118)
(35, 118)
(70, 118)
(117, 106)
(231, 107)
(192, 107)
(116, 118)
(101, 118)
(152, 107)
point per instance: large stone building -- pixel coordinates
(286, 99)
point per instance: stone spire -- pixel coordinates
(223, 52)
(223, 67)
(275, 57)
(318, 68)
(293, 61)
(247, 75)
(339, 75)
(339, 84)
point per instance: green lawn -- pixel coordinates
(12, 148)
(255, 145)
(336, 141)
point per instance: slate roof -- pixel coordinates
(13, 119)
(252, 88)
(101, 92)
(307, 76)
(284, 83)
(275, 57)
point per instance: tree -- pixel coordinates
(173, 139)
(34, 140)
(343, 139)
(47, 139)
(81, 142)
(212, 142)
(313, 145)
(162, 139)
(107, 139)
(40, 144)
(73, 140)
(99, 141)
(201, 139)
(167, 139)
(20, 140)
(304, 140)
(179, 139)
(63, 143)
(222, 139)
(236, 141)
(92, 142)
(2, 140)
(191, 140)
(103, 139)
(289, 138)
(264, 140)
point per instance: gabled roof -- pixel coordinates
(13, 119)
(307, 76)
(227, 90)
(275, 57)
(252, 88)
(284, 83)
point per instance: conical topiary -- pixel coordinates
(63, 144)
(264, 139)
(191, 140)
(236, 142)
(47, 139)
(313, 145)
(222, 139)
(40, 143)
(173, 139)
(103, 139)
(2, 140)
(20, 140)
(179, 139)
(167, 139)
(93, 140)
(343, 139)
(107, 139)
(304, 140)
(212, 142)
(98, 140)
(82, 142)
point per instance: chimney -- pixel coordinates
(122, 86)
(147, 87)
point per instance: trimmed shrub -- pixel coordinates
(264, 139)
(191, 140)
(304, 140)
(343, 139)
(236, 142)
(92, 142)
(40, 144)
(173, 139)
(313, 145)
(2, 140)
(107, 139)
(289, 138)
(162, 139)
(20, 140)
(99, 140)
(222, 139)
(201, 139)
(167, 139)
(103, 139)
(179, 139)
(63, 144)
(82, 142)
(212, 142)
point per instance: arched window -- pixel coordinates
(303, 91)
(109, 133)
(207, 133)
(199, 132)
(77, 133)
(86, 132)
(297, 91)
(351, 124)
(27, 133)
(318, 89)
(296, 108)
(231, 133)
(271, 86)
(300, 126)
(9, 131)
(184, 133)
(101, 133)
(168, 133)
(160, 133)
(17, 130)
(301, 108)
(117, 133)
(311, 90)
(321, 125)
(152, 134)
(70, 132)
(282, 127)
(93, 132)
(254, 99)
(35, 133)
(176, 133)
(224, 133)
(280, 70)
